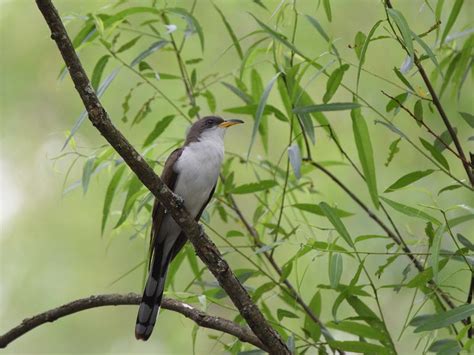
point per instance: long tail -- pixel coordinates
(152, 295)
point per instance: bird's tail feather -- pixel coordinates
(152, 296)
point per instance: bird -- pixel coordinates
(191, 172)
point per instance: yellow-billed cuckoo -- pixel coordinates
(191, 172)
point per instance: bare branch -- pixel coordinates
(201, 318)
(204, 247)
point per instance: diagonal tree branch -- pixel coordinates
(201, 318)
(204, 247)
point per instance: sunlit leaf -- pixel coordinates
(410, 211)
(334, 81)
(128, 44)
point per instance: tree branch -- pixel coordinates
(204, 247)
(201, 318)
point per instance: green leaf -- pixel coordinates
(449, 188)
(150, 50)
(445, 347)
(308, 207)
(86, 173)
(366, 154)
(279, 37)
(158, 130)
(133, 193)
(395, 104)
(364, 51)
(428, 51)
(358, 347)
(336, 222)
(254, 187)
(452, 19)
(403, 79)
(313, 328)
(444, 140)
(445, 319)
(109, 196)
(408, 179)
(418, 112)
(327, 9)
(193, 24)
(410, 211)
(337, 106)
(129, 44)
(393, 149)
(244, 96)
(435, 248)
(98, 70)
(232, 35)
(435, 153)
(358, 329)
(466, 242)
(211, 100)
(469, 118)
(283, 313)
(260, 108)
(335, 269)
(359, 42)
(315, 23)
(402, 24)
(334, 81)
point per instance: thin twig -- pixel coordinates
(201, 318)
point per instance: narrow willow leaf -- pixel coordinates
(335, 269)
(211, 100)
(445, 319)
(193, 24)
(315, 23)
(327, 9)
(469, 118)
(315, 209)
(337, 106)
(466, 242)
(402, 78)
(334, 81)
(314, 329)
(434, 251)
(336, 222)
(428, 51)
(395, 104)
(294, 155)
(435, 153)
(449, 188)
(231, 32)
(283, 313)
(366, 154)
(86, 173)
(402, 24)
(359, 347)
(260, 108)
(452, 19)
(364, 51)
(158, 130)
(408, 179)
(443, 140)
(359, 41)
(129, 44)
(133, 193)
(392, 150)
(279, 37)
(150, 50)
(445, 347)
(308, 127)
(244, 96)
(358, 329)
(410, 211)
(98, 70)
(418, 112)
(461, 219)
(254, 187)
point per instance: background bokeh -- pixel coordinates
(51, 250)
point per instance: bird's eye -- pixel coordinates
(209, 122)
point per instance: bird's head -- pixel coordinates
(210, 127)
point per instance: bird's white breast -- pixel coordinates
(198, 169)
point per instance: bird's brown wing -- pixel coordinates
(169, 178)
